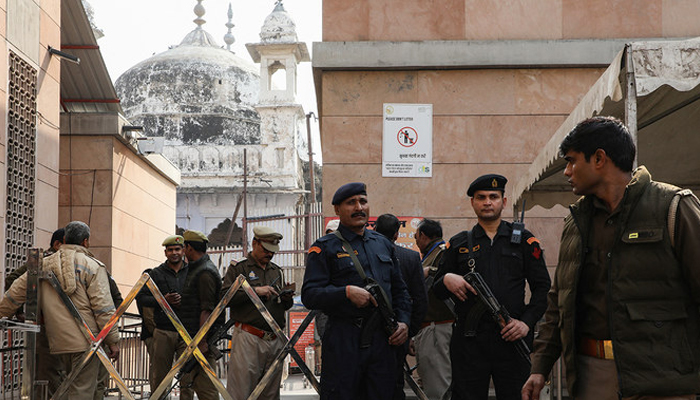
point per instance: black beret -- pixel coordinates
(348, 190)
(488, 182)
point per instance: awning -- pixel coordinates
(665, 108)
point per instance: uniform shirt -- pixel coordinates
(242, 308)
(437, 309)
(167, 281)
(504, 266)
(592, 316)
(329, 269)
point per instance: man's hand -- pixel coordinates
(400, 335)
(173, 299)
(533, 386)
(203, 347)
(514, 330)
(265, 291)
(113, 352)
(457, 286)
(359, 296)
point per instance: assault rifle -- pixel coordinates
(497, 310)
(220, 332)
(384, 314)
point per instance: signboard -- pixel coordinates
(407, 231)
(306, 339)
(407, 144)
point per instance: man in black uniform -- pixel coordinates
(358, 355)
(412, 272)
(480, 349)
(254, 346)
(166, 343)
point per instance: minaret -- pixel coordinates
(281, 117)
(228, 37)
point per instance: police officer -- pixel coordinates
(479, 349)
(254, 346)
(201, 294)
(358, 355)
(166, 343)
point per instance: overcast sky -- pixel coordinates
(137, 29)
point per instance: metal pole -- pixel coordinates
(245, 202)
(311, 156)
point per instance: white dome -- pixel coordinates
(278, 27)
(194, 93)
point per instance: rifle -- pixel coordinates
(497, 310)
(221, 332)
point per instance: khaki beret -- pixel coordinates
(174, 240)
(269, 239)
(195, 236)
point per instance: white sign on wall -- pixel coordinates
(407, 145)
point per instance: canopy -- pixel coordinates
(658, 102)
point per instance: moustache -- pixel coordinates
(358, 214)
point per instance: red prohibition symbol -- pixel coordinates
(407, 136)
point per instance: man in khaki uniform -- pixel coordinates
(84, 279)
(253, 345)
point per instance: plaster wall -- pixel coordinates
(410, 20)
(27, 28)
(129, 205)
(492, 113)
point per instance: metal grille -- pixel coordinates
(21, 156)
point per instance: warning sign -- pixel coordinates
(407, 145)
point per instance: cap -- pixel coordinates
(332, 225)
(269, 239)
(195, 236)
(348, 190)
(174, 240)
(488, 182)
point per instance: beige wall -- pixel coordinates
(133, 204)
(402, 20)
(486, 119)
(33, 49)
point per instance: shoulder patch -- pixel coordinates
(533, 240)
(315, 249)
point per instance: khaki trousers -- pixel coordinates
(168, 345)
(251, 357)
(433, 357)
(598, 381)
(84, 385)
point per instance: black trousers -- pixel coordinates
(477, 360)
(353, 373)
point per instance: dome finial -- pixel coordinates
(199, 12)
(228, 37)
(279, 6)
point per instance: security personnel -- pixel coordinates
(358, 353)
(201, 294)
(479, 349)
(166, 342)
(254, 346)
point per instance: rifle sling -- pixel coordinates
(360, 270)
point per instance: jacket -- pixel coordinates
(652, 316)
(84, 279)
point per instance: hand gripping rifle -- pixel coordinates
(498, 312)
(220, 332)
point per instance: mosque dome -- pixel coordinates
(278, 27)
(194, 93)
